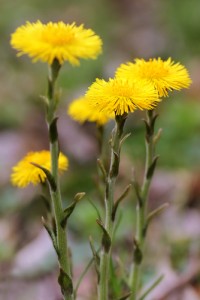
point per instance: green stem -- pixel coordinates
(105, 257)
(101, 151)
(100, 138)
(61, 236)
(141, 209)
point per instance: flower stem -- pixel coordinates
(61, 237)
(141, 209)
(101, 161)
(100, 138)
(105, 257)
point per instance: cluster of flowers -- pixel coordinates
(137, 85)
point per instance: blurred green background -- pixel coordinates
(129, 29)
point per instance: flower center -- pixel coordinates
(57, 38)
(154, 70)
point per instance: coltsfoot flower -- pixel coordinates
(64, 42)
(25, 172)
(121, 96)
(165, 75)
(81, 110)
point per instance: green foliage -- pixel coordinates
(179, 253)
(183, 25)
(179, 118)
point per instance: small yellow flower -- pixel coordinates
(81, 110)
(25, 172)
(64, 42)
(165, 75)
(121, 96)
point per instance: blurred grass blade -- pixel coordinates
(82, 276)
(116, 204)
(102, 168)
(157, 211)
(155, 283)
(117, 223)
(96, 257)
(125, 296)
(95, 208)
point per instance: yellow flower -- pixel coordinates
(165, 75)
(25, 172)
(64, 42)
(121, 96)
(81, 110)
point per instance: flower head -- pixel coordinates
(64, 42)
(121, 96)
(25, 172)
(81, 110)
(165, 75)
